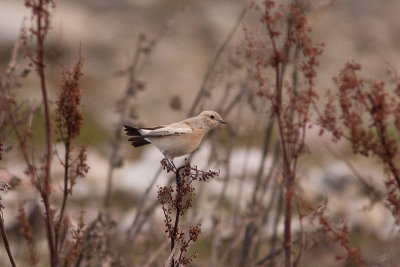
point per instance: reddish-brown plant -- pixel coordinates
(26, 232)
(69, 119)
(3, 188)
(68, 116)
(73, 248)
(339, 234)
(178, 198)
(288, 36)
(366, 113)
(1, 148)
(40, 25)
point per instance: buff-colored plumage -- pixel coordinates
(176, 139)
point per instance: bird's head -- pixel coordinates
(211, 119)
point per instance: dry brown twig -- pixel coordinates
(178, 198)
(68, 120)
(126, 110)
(3, 188)
(290, 105)
(366, 113)
(40, 18)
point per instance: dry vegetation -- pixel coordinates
(269, 220)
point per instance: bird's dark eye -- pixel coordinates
(212, 117)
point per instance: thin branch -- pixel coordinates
(42, 25)
(4, 187)
(154, 256)
(213, 64)
(66, 172)
(369, 188)
(5, 241)
(136, 224)
(132, 86)
(178, 209)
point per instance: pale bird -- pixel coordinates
(176, 139)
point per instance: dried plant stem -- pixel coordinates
(45, 187)
(46, 111)
(113, 156)
(374, 193)
(252, 228)
(303, 235)
(124, 105)
(5, 241)
(278, 216)
(65, 193)
(273, 198)
(157, 253)
(266, 146)
(214, 62)
(66, 173)
(107, 198)
(136, 224)
(387, 153)
(178, 210)
(50, 230)
(287, 172)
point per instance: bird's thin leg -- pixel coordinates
(170, 162)
(189, 159)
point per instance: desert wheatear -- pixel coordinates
(176, 139)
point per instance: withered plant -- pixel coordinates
(3, 188)
(63, 242)
(68, 121)
(366, 113)
(126, 108)
(288, 43)
(178, 198)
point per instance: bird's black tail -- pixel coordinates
(137, 139)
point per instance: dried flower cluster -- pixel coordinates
(178, 198)
(68, 116)
(73, 247)
(4, 187)
(339, 234)
(69, 119)
(194, 232)
(288, 43)
(366, 113)
(96, 247)
(26, 232)
(78, 168)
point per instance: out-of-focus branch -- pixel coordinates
(142, 214)
(68, 120)
(143, 48)
(41, 15)
(4, 187)
(376, 194)
(203, 88)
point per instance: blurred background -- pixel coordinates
(185, 37)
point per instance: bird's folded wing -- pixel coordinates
(168, 131)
